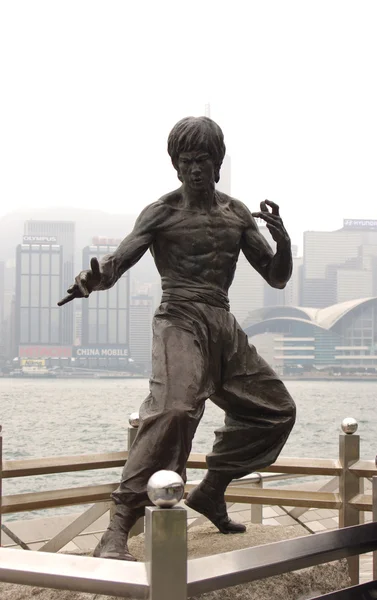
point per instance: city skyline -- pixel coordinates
(336, 266)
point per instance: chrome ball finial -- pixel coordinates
(349, 425)
(134, 419)
(165, 489)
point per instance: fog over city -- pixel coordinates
(92, 89)
(91, 93)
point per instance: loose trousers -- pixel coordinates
(199, 352)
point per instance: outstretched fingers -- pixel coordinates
(273, 206)
(267, 216)
(94, 265)
(66, 299)
(81, 284)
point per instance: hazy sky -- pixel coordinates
(91, 89)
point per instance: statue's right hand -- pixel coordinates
(85, 283)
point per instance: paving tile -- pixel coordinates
(270, 522)
(311, 515)
(238, 507)
(285, 520)
(279, 510)
(245, 515)
(36, 545)
(269, 511)
(324, 513)
(329, 523)
(86, 542)
(70, 547)
(316, 526)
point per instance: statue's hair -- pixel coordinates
(197, 133)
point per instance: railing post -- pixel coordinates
(349, 485)
(132, 429)
(166, 538)
(256, 510)
(374, 517)
(131, 434)
(1, 480)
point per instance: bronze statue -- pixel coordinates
(195, 235)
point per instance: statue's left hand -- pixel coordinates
(273, 221)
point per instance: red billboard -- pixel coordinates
(45, 351)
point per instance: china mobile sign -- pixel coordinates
(360, 223)
(101, 352)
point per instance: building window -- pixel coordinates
(35, 263)
(55, 264)
(24, 325)
(45, 325)
(55, 322)
(34, 290)
(122, 327)
(45, 291)
(25, 263)
(25, 283)
(45, 263)
(34, 326)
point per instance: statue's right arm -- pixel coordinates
(133, 247)
(104, 274)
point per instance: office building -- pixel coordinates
(293, 289)
(63, 234)
(105, 327)
(39, 286)
(249, 291)
(340, 265)
(338, 338)
(141, 314)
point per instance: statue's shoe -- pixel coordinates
(204, 501)
(113, 545)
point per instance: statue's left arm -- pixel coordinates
(276, 268)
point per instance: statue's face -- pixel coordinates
(196, 170)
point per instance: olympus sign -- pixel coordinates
(102, 352)
(39, 239)
(360, 223)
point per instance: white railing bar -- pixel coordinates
(219, 571)
(75, 573)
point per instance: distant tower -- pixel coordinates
(225, 174)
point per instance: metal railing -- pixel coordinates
(349, 470)
(166, 573)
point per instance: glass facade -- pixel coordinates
(39, 288)
(105, 319)
(345, 341)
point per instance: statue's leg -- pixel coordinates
(259, 415)
(169, 417)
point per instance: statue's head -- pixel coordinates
(197, 134)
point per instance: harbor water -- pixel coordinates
(62, 417)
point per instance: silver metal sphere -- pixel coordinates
(349, 425)
(134, 419)
(165, 489)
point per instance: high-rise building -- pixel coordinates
(293, 289)
(64, 234)
(340, 265)
(39, 286)
(141, 313)
(105, 328)
(224, 185)
(249, 291)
